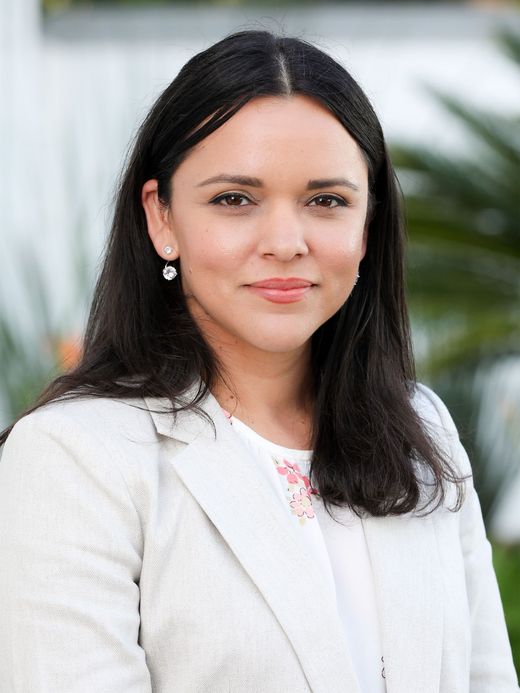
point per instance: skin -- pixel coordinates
(280, 229)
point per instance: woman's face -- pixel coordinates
(268, 219)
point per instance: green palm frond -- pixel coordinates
(463, 214)
(499, 133)
(510, 44)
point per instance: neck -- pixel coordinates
(270, 392)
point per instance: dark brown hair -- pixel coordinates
(141, 340)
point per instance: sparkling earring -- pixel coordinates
(169, 272)
(357, 277)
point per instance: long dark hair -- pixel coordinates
(141, 340)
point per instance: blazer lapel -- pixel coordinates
(219, 472)
(409, 592)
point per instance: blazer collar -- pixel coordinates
(219, 472)
(188, 425)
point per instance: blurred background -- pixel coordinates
(77, 77)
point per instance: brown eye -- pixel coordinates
(233, 198)
(338, 201)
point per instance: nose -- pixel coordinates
(282, 235)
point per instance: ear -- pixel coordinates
(159, 228)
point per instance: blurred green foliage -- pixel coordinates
(33, 351)
(53, 5)
(464, 223)
(27, 354)
(32, 354)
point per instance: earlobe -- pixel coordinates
(159, 229)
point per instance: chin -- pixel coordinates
(278, 345)
(278, 335)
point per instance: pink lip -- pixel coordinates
(280, 290)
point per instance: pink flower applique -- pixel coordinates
(291, 469)
(301, 505)
(298, 487)
(292, 475)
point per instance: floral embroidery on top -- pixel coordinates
(299, 489)
(298, 485)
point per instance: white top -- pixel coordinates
(339, 549)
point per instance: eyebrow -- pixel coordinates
(257, 183)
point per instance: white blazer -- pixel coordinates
(140, 553)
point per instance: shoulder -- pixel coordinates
(439, 425)
(431, 409)
(88, 448)
(82, 425)
(98, 415)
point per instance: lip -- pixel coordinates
(284, 284)
(281, 290)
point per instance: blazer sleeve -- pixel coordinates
(70, 558)
(492, 669)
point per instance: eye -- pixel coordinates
(339, 201)
(233, 197)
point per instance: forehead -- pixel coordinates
(290, 132)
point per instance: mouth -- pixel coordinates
(281, 290)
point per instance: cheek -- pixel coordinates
(344, 253)
(213, 247)
(208, 260)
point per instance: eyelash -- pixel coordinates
(341, 202)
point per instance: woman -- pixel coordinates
(241, 487)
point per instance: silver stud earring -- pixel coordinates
(169, 272)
